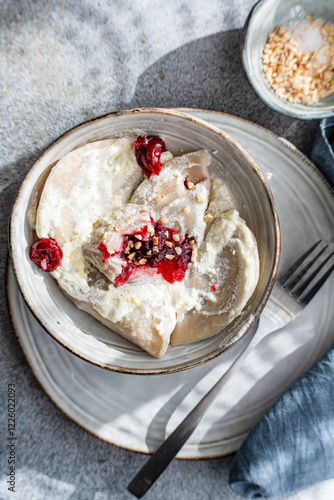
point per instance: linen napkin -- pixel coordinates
(292, 445)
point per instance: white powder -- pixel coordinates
(309, 38)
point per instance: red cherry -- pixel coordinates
(151, 254)
(148, 151)
(47, 254)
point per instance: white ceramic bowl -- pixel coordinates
(263, 18)
(84, 335)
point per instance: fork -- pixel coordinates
(290, 294)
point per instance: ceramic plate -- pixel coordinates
(138, 411)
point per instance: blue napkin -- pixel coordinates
(292, 446)
(323, 149)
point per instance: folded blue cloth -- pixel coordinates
(323, 149)
(292, 446)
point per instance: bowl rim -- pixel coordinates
(204, 358)
(303, 115)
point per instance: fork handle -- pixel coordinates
(160, 459)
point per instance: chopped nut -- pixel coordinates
(163, 220)
(105, 236)
(186, 210)
(155, 249)
(136, 263)
(155, 240)
(168, 244)
(208, 217)
(193, 255)
(150, 230)
(200, 198)
(131, 244)
(166, 233)
(133, 300)
(190, 185)
(127, 250)
(149, 252)
(138, 236)
(116, 228)
(176, 237)
(178, 250)
(192, 242)
(169, 256)
(129, 220)
(137, 245)
(131, 256)
(298, 76)
(158, 198)
(142, 261)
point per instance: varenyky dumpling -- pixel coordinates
(149, 244)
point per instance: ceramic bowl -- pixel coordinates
(82, 334)
(263, 18)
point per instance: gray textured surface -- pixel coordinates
(62, 63)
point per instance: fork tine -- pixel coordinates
(298, 266)
(306, 298)
(309, 277)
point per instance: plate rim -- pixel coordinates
(294, 150)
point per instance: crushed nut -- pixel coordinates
(190, 185)
(178, 250)
(176, 237)
(168, 244)
(150, 230)
(208, 217)
(116, 228)
(133, 300)
(155, 240)
(105, 236)
(192, 242)
(142, 262)
(129, 220)
(169, 256)
(138, 236)
(136, 263)
(155, 249)
(200, 198)
(193, 255)
(163, 220)
(131, 256)
(166, 233)
(131, 244)
(137, 245)
(158, 198)
(186, 210)
(149, 252)
(294, 75)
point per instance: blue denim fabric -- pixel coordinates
(292, 446)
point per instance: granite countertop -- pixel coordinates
(63, 63)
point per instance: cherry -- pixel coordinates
(148, 150)
(156, 247)
(47, 254)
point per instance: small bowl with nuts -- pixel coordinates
(288, 56)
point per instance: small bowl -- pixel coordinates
(263, 18)
(81, 333)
